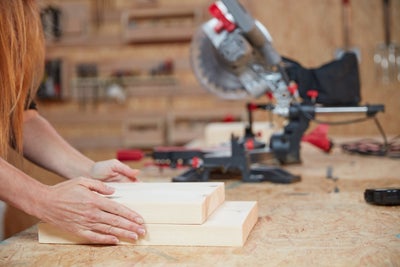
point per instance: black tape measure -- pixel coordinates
(383, 196)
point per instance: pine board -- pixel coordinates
(173, 203)
(229, 225)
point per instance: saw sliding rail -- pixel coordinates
(286, 145)
(345, 110)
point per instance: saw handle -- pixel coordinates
(224, 23)
(253, 31)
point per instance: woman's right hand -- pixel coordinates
(77, 207)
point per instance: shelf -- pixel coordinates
(163, 85)
(158, 35)
(160, 25)
(87, 41)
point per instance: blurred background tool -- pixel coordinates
(346, 24)
(387, 54)
(382, 196)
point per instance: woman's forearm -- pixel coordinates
(46, 148)
(75, 205)
(20, 190)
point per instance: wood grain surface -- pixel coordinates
(316, 222)
(228, 226)
(173, 203)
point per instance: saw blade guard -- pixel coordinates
(237, 61)
(214, 75)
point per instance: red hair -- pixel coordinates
(21, 66)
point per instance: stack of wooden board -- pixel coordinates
(180, 214)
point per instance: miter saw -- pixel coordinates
(233, 57)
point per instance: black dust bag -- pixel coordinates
(337, 82)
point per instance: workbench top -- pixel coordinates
(315, 222)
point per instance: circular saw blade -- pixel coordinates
(213, 74)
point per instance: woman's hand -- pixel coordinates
(113, 171)
(77, 206)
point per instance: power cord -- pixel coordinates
(372, 147)
(366, 146)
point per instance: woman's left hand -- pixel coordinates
(113, 170)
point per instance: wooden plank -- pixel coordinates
(173, 203)
(217, 133)
(229, 225)
(183, 126)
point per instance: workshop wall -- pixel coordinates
(307, 31)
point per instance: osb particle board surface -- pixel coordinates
(295, 227)
(301, 224)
